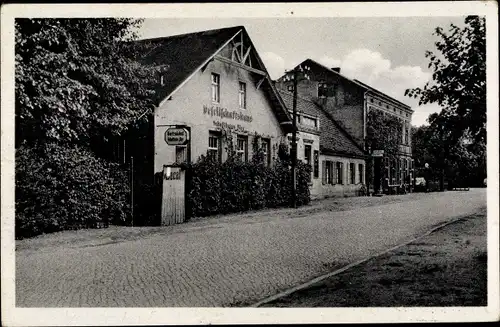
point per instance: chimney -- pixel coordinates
(336, 69)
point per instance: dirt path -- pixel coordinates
(445, 268)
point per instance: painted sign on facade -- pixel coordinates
(176, 136)
(232, 127)
(224, 113)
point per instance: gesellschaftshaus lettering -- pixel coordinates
(225, 113)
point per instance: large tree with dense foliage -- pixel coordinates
(77, 85)
(78, 80)
(456, 136)
(458, 83)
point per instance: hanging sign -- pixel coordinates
(378, 153)
(176, 136)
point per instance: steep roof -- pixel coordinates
(334, 139)
(183, 55)
(364, 86)
(374, 90)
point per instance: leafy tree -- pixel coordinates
(77, 80)
(459, 79)
(456, 135)
(78, 84)
(384, 132)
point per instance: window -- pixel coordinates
(339, 170)
(352, 173)
(327, 172)
(241, 148)
(265, 146)
(407, 135)
(243, 95)
(214, 145)
(180, 154)
(215, 88)
(310, 122)
(361, 173)
(316, 164)
(290, 88)
(308, 154)
(162, 80)
(322, 89)
(371, 100)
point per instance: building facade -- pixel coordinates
(213, 93)
(338, 163)
(348, 102)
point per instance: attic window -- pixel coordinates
(322, 89)
(290, 88)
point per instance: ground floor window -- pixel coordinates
(308, 154)
(339, 173)
(316, 164)
(180, 154)
(242, 148)
(352, 173)
(327, 172)
(214, 145)
(361, 173)
(266, 146)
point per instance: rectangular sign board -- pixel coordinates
(378, 153)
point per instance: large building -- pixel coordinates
(213, 89)
(348, 102)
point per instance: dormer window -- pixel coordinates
(290, 88)
(322, 89)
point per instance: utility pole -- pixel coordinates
(294, 75)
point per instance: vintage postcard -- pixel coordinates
(249, 163)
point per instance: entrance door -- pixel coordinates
(377, 176)
(173, 196)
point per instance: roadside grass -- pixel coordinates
(445, 268)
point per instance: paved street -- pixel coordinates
(226, 262)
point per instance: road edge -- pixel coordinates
(351, 265)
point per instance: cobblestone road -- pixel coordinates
(225, 263)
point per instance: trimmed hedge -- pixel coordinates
(60, 188)
(235, 186)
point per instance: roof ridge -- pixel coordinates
(190, 33)
(383, 93)
(298, 97)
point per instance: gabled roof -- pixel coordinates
(364, 86)
(380, 93)
(185, 54)
(334, 139)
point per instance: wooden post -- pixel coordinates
(294, 141)
(132, 188)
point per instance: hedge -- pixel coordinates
(236, 186)
(60, 188)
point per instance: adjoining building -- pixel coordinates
(348, 102)
(338, 162)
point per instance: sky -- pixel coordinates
(387, 53)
